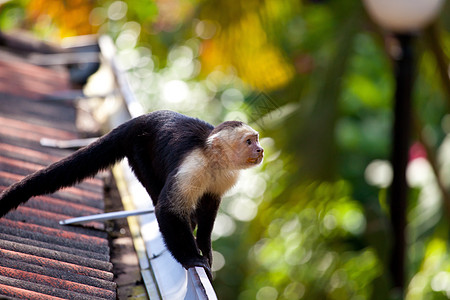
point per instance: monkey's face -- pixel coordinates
(246, 148)
(238, 147)
(253, 152)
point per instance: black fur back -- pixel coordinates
(166, 139)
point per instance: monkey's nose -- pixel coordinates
(260, 150)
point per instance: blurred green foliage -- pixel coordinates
(316, 78)
(308, 249)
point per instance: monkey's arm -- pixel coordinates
(206, 214)
(177, 233)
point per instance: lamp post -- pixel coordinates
(404, 18)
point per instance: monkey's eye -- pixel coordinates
(249, 142)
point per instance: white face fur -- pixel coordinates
(236, 148)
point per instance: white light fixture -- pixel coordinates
(402, 16)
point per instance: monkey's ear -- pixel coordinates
(214, 140)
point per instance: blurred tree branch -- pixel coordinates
(320, 150)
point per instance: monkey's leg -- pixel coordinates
(206, 214)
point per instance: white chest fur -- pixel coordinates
(196, 176)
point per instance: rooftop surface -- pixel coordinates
(40, 259)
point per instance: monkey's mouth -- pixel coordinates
(255, 160)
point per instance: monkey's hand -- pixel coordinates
(203, 262)
(206, 250)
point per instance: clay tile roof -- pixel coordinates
(40, 259)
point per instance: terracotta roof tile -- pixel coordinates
(10, 289)
(33, 82)
(40, 259)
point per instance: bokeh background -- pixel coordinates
(316, 79)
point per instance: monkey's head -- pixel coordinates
(237, 144)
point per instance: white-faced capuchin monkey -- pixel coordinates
(185, 164)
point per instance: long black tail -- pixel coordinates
(85, 162)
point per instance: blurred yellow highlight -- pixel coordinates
(244, 45)
(70, 18)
